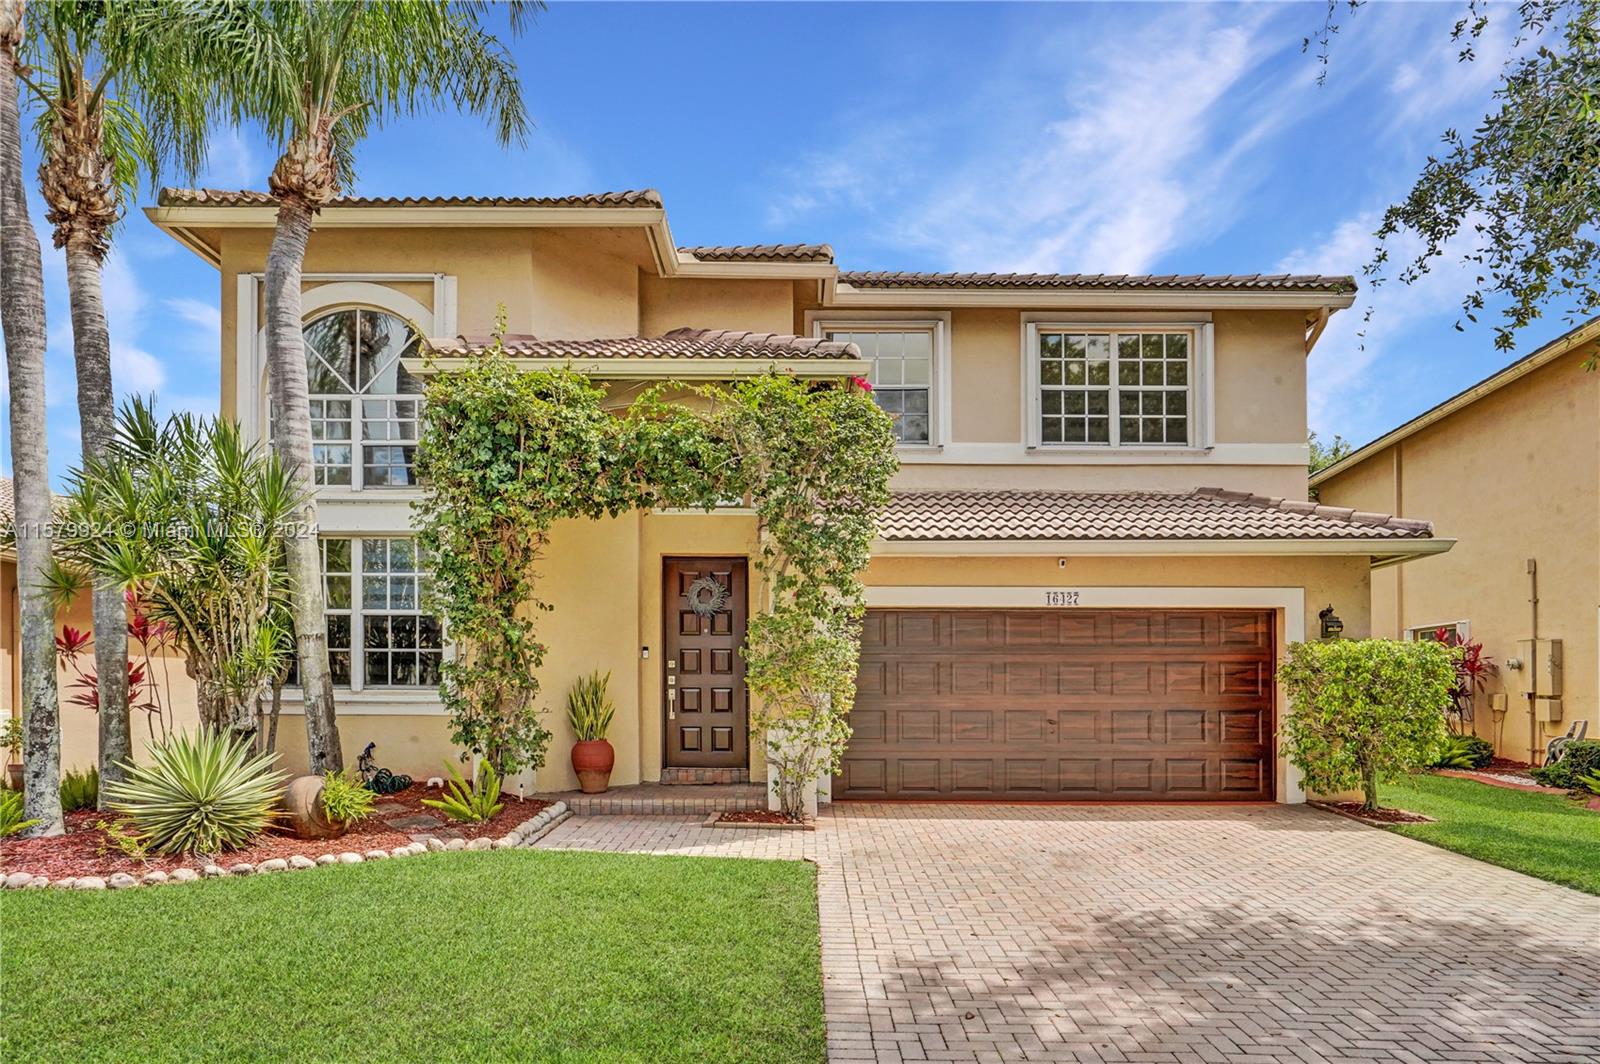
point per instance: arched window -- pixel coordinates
(365, 407)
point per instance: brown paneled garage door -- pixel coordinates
(1020, 705)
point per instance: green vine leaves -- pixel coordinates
(505, 454)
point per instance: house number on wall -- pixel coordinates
(1061, 598)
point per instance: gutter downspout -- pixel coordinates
(1533, 672)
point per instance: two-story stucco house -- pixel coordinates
(1098, 547)
(1509, 467)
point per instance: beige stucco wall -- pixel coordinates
(1512, 477)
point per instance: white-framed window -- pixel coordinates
(366, 408)
(1454, 633)
(1115, 386)
(905, 366)
(379, 635)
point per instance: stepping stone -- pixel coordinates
(417, 822)
(390, 808)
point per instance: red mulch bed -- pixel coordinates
(1374, 816)
(86, 851)
(754, 816)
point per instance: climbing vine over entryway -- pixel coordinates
(506, 454)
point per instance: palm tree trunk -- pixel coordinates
(22, 315)
(286, 368)
(91, 345)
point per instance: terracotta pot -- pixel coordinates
(592, 760)
(14, 775)
(303, 812)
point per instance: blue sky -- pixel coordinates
(1081, 137)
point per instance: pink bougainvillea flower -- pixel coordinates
(862, 383)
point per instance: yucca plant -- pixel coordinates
(80, 790)
(11, 821)
(589, 708)
(345, 800)
(466, 802)
(201, 794)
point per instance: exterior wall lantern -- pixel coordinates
(1332, 626)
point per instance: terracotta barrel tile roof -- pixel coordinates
(1192, 281)
(762, 253)
(679, 343)
(213, 197)
(1203, 514)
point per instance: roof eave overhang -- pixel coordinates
(1517, 370)
(845, 296)
(1381, 552)
(664, 368)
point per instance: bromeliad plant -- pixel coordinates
(507, 454)
(470, 803)
(1365, 710)
(200, 794)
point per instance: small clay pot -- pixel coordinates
(593, 760)
(303, 812)
(14, 775)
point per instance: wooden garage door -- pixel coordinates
(1109, 705)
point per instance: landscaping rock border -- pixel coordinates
(524, 834)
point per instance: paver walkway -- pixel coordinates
(1004, 933)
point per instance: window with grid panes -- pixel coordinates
(900, 370)
(1119, 389)
(376, 587)
(366, 408)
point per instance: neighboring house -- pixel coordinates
(1099, 544)
(1511, 469)
(80, 743)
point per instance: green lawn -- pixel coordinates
(514, 955)
(1544, 835)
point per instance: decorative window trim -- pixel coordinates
(1202, 395)
(341, 290)
(819, 322)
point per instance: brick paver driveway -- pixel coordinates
(977, 933)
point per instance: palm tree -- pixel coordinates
(120, 91)
(347, 67)
(22, 315)
(191, 518)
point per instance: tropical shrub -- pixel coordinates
(80, 790)
(1365, 710)
(11, 822)
(346, 800)
(468, 802)
(1465, 751)
(11, 737)
(1590, 782)
(1580, 759)
(202, 793)
(589, 707)
(190, 518)
(152, 640)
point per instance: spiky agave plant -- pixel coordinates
(468, 803)
(201, 794)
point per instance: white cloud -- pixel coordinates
(135, 370)
(204, 320)
(231, 161)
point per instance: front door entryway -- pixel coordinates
(706, 707)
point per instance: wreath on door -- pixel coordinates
(707, 597)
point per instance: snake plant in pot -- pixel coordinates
(589, 710)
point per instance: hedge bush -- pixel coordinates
(1580, 759)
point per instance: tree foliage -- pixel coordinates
(190, 518)
(1523, 188)
(1365, 710)
(506, 454)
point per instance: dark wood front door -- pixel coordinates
(706, 706)
(1039, 705)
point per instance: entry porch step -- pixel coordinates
(660, 799)
(685, 776)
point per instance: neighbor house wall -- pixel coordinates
(1513, 476)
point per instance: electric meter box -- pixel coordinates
(1543, 666)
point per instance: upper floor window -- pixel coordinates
(365, 407)
(900, 369)
(1114, 388)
